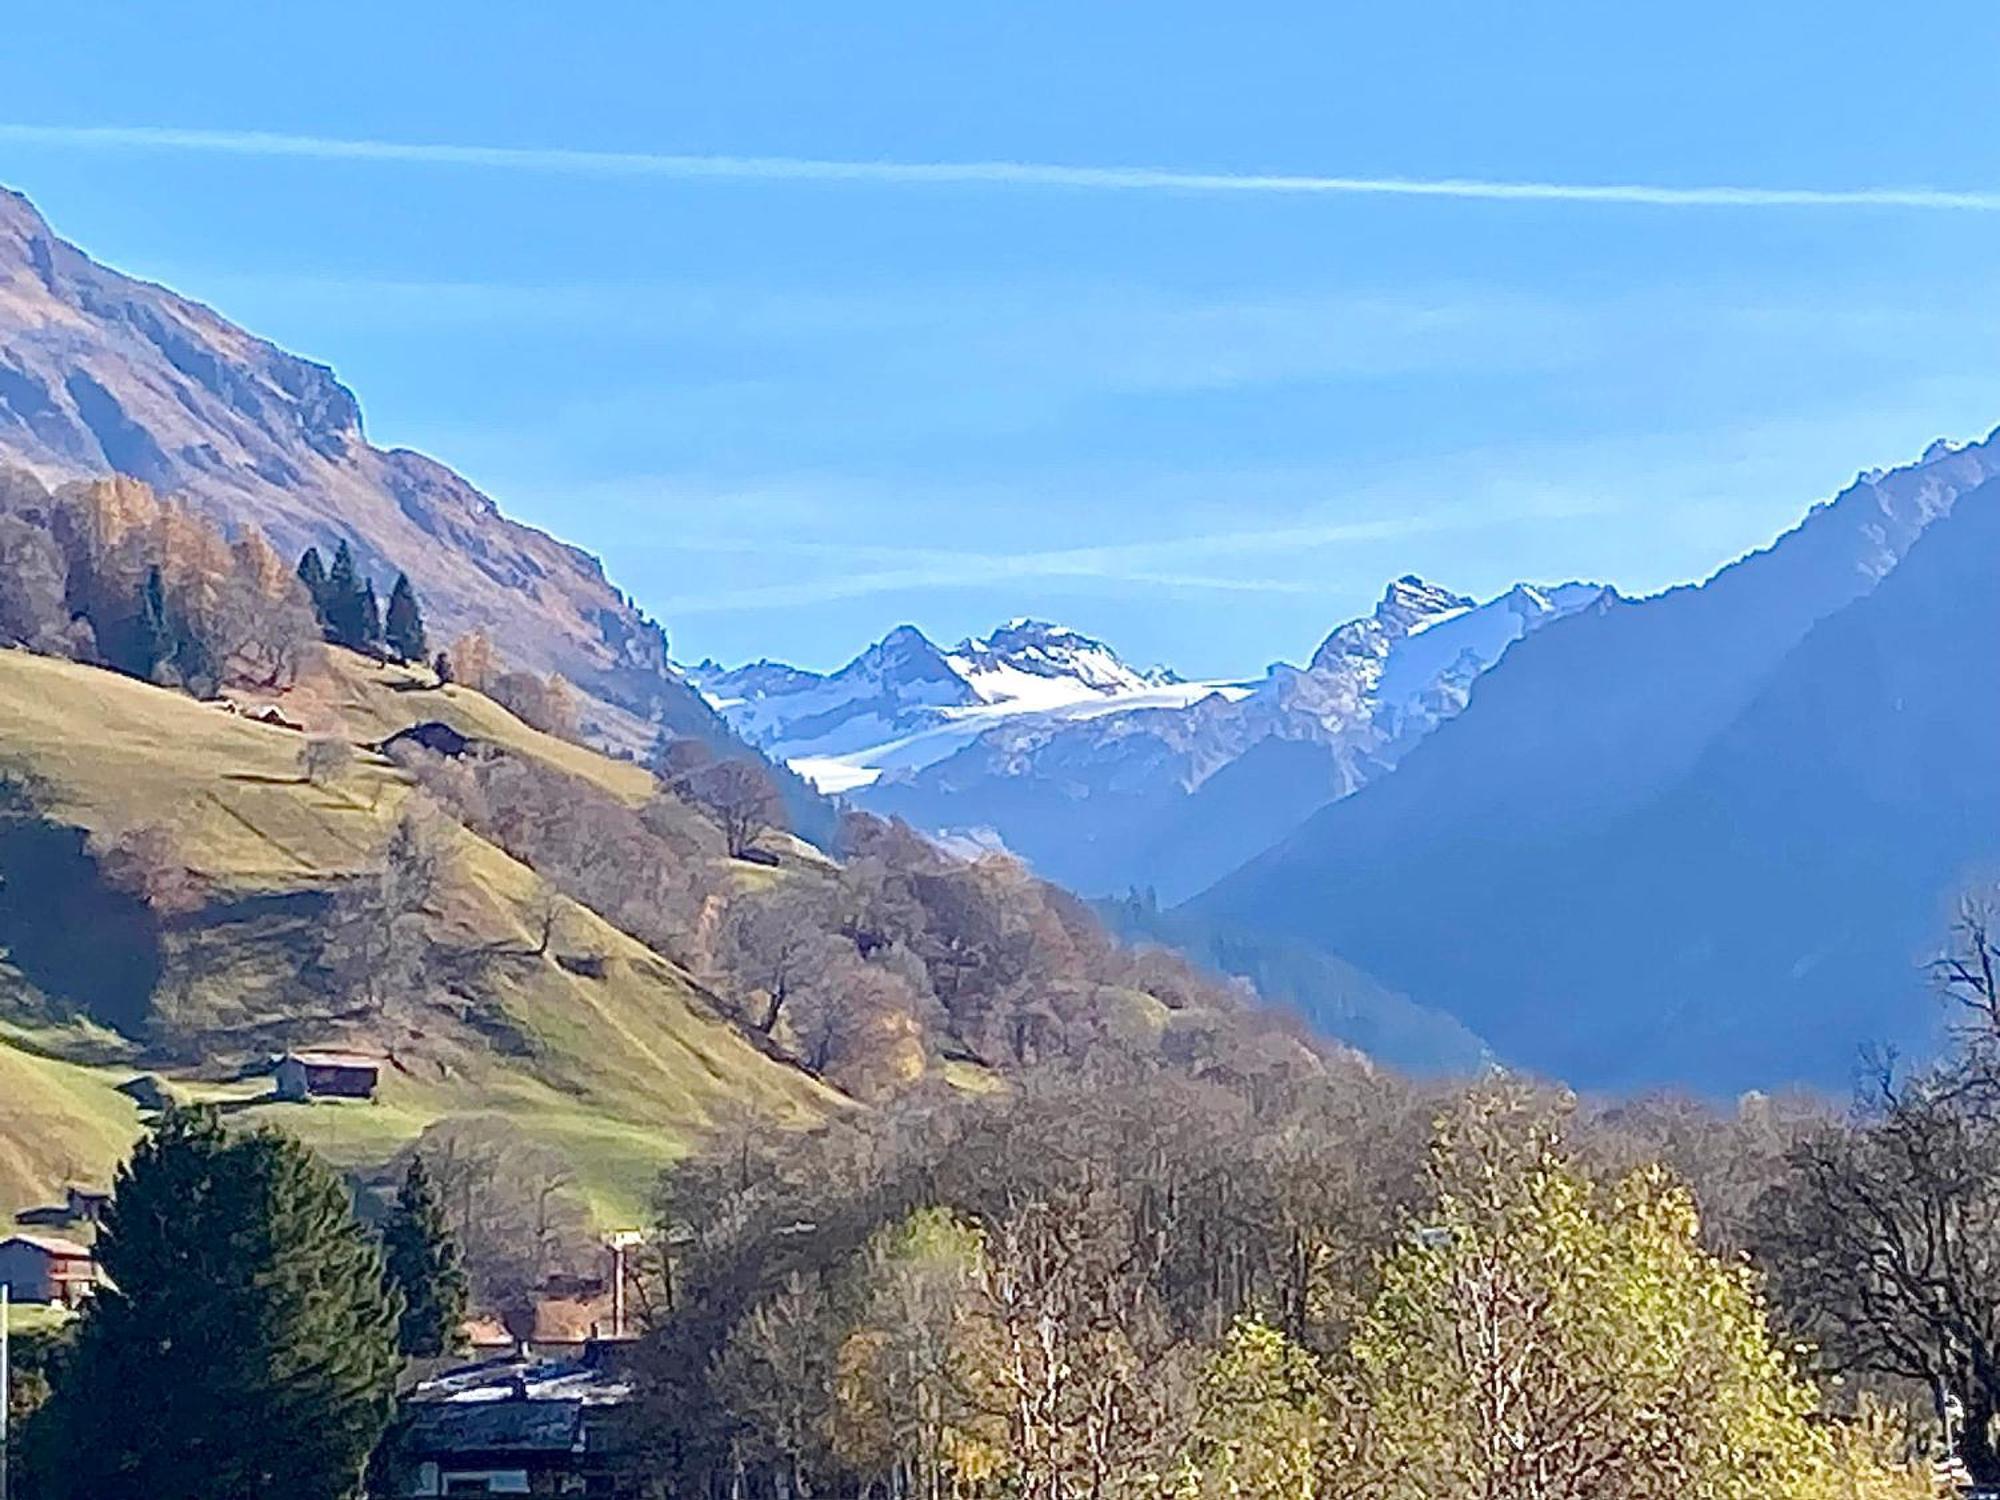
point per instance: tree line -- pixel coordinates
(110, 573)
(875, 973)
(1119, 1277)
(1135, 1283)
(1095, 1283)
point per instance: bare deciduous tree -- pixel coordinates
(377, 946)
(676, 757)
(148, 862)
(742, 799)
(1884, 1249)
(512, 1205)
(771, 942)
(1094, 1377)
(258, 618)
(33, 582)
(473, 660)
(544, 703)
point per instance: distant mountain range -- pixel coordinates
(1045, 742)
(1705, 838)
(906, 703)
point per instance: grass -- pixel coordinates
(620, 1072)
(36, 1317)
(344, 694)
(59, 1123)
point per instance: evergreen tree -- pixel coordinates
(152, 632)
(312, 573)
(426, 1266)
(403, 627)
(346, 606)
(194, 665)
(246, 1346)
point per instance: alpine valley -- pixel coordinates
(1604, 836)
(1706, 839)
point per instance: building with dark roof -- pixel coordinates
(326, 1075)
(516, 1427)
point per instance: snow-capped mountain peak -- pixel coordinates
(1054, 654)
(905, 702)
(1032, 692)
(1412, 605)
(1409, 606)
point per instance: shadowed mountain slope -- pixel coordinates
(1705, 838)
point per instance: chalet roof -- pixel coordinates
(318, 1058)
(494, 1427)
(434, 735)
(51, 1244)
(509, 1405)
(511, 1379)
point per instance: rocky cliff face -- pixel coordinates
(100, 372)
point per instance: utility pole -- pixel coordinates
(620, 1242)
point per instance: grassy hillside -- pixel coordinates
(599, 1048)
(61, 1123)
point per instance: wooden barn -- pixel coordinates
(47, 1268)
(326, 1075)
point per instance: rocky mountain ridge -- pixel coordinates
(103, 373)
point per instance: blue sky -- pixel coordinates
(1207, 420)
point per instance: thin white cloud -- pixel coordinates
(648, 164)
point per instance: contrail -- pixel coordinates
(643, 164)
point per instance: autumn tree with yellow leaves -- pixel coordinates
(1542, 1337)
(914, 1381)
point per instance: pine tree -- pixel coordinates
(312, 573)
(246, 1345)
(152, 632)
(346, 602)
(403, 627)
(426, 1266)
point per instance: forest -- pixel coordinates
(1344, 1283)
